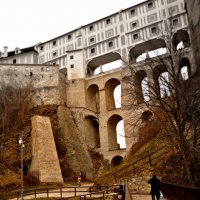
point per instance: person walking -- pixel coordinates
(155, 187)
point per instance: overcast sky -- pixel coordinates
(24, 23)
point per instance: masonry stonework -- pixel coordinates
(45, 164)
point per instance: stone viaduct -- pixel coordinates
(144, 29)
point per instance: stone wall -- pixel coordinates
(45, 164)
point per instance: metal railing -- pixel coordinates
(177, 192)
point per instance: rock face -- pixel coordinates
(45, 164)
(77, 156)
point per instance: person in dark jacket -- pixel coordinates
(155, 187)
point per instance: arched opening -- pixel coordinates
(161, 79)
(151, 54)
(117, 96)
(150, 48)
(180, 39)
(93, 98)
(91, 132)
(141, 86)
(121, 134)
(104, 63)
(185, 68)
(110, 87)
(117, 160)
(113, 139)
(109, 66)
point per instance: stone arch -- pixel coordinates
(117, 160)
(110, 86)
(161, 81)
(112, 131)
(140, 90)
(91, 131)
(102, 60)
(139, 49)
(92, 99)
(181, 36)
(185, 68)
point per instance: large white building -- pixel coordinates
(123, 35)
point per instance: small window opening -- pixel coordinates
(135, 36)
(14, 61)
(54, 54)
(134, 24)
(92, 50)
(69, 37)
(108, 21)
(154, 29)
(132, 12)
(41, 48)
(54, 43)
(91, 28)
(91, 39)
(71, 57)
(110, 44)
(72, 66)
(150, 5)
(175, 22)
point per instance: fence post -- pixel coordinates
(150, 163)
(47, 193)
(107, 189)
(75, 191)
(90, 191)
(61, 193)
(35, 194)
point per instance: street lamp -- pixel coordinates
(21, 143)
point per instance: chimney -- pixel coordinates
(5, 54)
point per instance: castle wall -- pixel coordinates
(43, 78)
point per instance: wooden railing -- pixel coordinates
(66, 192)
(137, 166)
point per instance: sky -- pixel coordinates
(25, 23)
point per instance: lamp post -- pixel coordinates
(21, 143)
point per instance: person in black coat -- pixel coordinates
(155, 187)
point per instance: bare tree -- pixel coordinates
(165, 86)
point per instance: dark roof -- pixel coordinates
(25, 50)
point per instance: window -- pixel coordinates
(132, 12)
(71, 66)
(41, 48)
(108, 21)
(14, 61)
(91, 28)
(110, 44)
(154, 30)
(134, 25)
(92, 50)
(150, 5)
(135, 36)
(69, 37)
(175, 22)
(54, 54)
(54, 63)
(92, 39)
(54, 43)
(71, 57)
